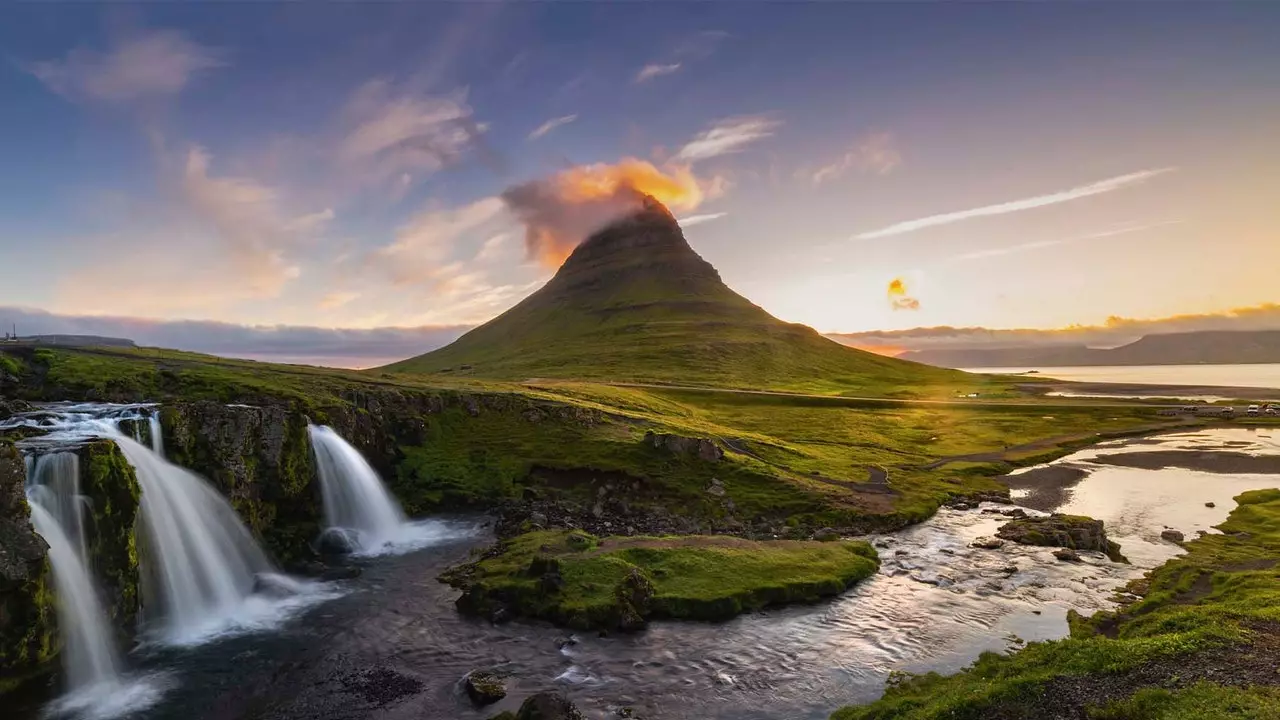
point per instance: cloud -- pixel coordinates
(1075, 193)
(313, 222)
(727, 136)
(392, 137)
(159, 62)
(898, 297)
(692, 220)
(246, 218)
(1116, 331)
(876, 153)
(560, 211)
(1041, 244)
(337, 347)
(336, 300)
(653, 70)
(550, 125)
(423, 246)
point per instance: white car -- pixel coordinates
(1254, 410)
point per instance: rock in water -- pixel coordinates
(1172, 536)
(1067, 555)
(1074, 532)
(987, 543)
(336, 541)
(549, 706)
(484, 688)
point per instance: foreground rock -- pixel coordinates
(578, 580)
(544, 706)
(1172, 536)
(484, 688)
(1073, 532)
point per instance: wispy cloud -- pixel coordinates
(423, 247)
(337, 299)
(550, 125)
(159, 62)
(727, 136)
(653, 70)
(1075, 193)
(1040, 244)
(699, 219)
(877, 152)
(394, 138)
(248, 220)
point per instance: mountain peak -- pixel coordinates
(634, 302)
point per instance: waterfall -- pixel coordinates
(56, 486)
(157, 438)
(89, 655)
(355, 500)
(202, 561)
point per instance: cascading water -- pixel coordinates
(95, 686)
(157, 438)
(205, 562)
(89, 655)
(355, 500)
(56, 486)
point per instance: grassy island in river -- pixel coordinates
(575, 579)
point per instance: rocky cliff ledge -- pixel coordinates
(260, 459)
(26, 602)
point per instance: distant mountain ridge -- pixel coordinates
(1217, 347)
(635, 303)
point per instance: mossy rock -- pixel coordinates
(1074, 532)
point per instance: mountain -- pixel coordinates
(1190, 348)
(635, 303)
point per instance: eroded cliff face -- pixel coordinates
(27, 616)
(260, 459)
(108, 481)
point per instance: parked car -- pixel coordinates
(1253, 410)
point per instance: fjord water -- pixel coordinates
(355, 499)
(1263, 375)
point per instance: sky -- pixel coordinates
(352, 183)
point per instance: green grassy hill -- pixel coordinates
(634, 303)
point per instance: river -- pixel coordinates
(391, 645)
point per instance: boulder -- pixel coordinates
(716, 487)
(1067, 555)
(1172, 536)
(336, 541)
(826, 535)
(1209, 505)
(703, 448)
(987, 543)
(549, 706)
(484, 688)
(1066, 531)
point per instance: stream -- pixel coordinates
(390, 645)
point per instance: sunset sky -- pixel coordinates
(343, 165)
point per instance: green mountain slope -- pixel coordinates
(635, 303)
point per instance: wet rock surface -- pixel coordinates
(26, 614)
(1072, 532)
(484, 688)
